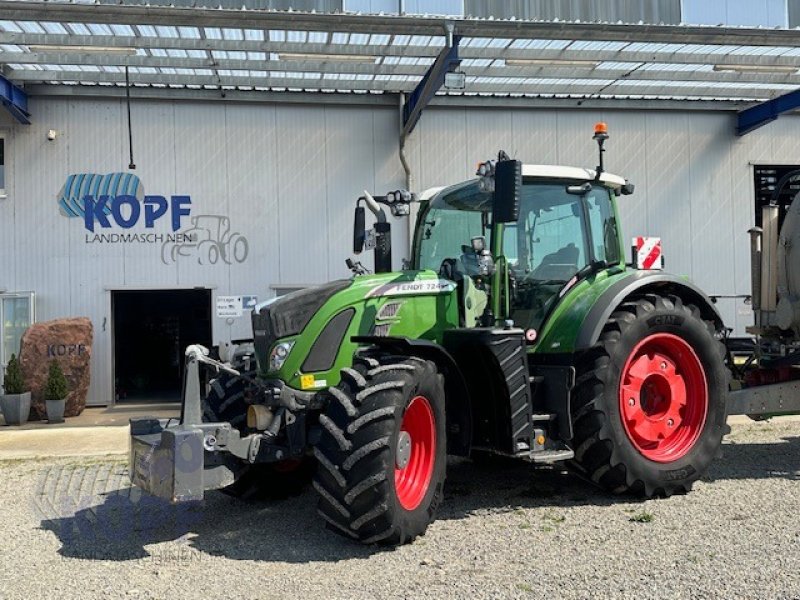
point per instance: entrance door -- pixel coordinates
(16, 315)
(151, 332)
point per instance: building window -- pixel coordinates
(2, 167)
(666, 12)
(747, 13)
(766, 178)
(16, 315)
(409, 7)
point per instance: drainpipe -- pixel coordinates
(409, 178)
(403, 158)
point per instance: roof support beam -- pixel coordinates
(386, 100)
(544, 87)
(759, 115)
(14, 100)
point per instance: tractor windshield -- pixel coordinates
(556, 235)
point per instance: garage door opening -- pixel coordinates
(151, 332)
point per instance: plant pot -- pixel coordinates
(16, 408)
(55, 410)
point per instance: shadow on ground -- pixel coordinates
(119, 523)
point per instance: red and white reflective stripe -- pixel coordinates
(647, 251)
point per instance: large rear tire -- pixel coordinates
(649, 407)
(382, 453)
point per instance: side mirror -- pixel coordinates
(507, 188)
(628, 188)
(359, 229)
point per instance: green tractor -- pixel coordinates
(518, 330)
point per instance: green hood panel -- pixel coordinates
(414, 304)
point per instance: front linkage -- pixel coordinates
(179, 461)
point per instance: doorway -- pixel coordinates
(151, 331)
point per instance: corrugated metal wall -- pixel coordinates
(287, 176)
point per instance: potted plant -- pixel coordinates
(16, 402)
(55, 393)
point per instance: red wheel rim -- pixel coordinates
(663, 397)
(416, 453)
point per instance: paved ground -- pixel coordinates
(102, 416)
(74, 529)
(97, 431)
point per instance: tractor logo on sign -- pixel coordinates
(211, 242)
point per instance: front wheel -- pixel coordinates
(649, 404)
(382, 455)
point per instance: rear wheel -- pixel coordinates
(227, 401)
(382, 454)
(649, 403)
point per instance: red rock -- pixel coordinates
(69, 341)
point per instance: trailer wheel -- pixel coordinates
(227, 401)
(381, 458)
(649, 403)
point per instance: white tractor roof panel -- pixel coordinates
(576, 173)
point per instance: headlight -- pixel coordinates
(278, 355)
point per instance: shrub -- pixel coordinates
(56, 387)
(14, 382)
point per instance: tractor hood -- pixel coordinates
(317, 324)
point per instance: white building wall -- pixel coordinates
(288, 175)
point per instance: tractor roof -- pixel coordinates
(576, 173)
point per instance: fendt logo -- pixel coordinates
(99, 199)
(118, 200)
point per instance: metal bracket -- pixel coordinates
(431, 82)
(14, 100)
(759, 115)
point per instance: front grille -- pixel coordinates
(289, 314)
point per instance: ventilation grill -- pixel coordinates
(389, 310)
(381, 330)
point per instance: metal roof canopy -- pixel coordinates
(200, 48)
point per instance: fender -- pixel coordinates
(457, 409)
(642, 281)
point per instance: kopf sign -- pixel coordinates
(155, 207)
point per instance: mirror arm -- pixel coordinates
(374, 207)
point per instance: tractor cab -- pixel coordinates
(565, 229)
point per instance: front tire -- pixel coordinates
(382, 453)
(649, 408)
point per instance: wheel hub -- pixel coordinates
(403, 450)
(663, 397)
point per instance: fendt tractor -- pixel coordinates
(517, 330)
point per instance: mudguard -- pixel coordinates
(641, 282)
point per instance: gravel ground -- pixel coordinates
(74, 529)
